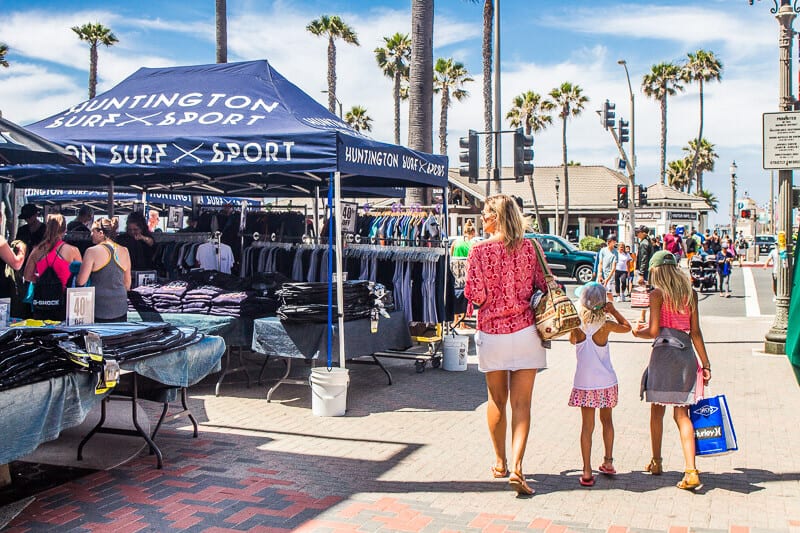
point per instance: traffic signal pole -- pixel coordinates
(607, 118)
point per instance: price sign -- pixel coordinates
(80, 306)
(175, 219)
(143, 277)
(349, 216)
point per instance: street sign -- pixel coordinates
(80, 306)
(781, 148)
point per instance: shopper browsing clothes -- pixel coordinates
(32, 232)
(595, 384)
(139, 242)
(108, 266)
(673, 375)
(48, 268)
(502, 273)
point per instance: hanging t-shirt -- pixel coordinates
(207, 254)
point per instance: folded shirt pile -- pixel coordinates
(141, 298)
(198, 300)
(169, 298)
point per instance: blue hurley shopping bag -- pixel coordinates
(713, 429)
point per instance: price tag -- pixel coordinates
(5, 311)
(143, 277)
(80, 306)
(349, 216)
(175, 220)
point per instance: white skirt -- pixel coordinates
(520, 350)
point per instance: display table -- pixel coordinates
(309, 341)
(165, 375)
(237, 333)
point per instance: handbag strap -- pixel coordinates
(548, 276)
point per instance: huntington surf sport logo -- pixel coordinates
(706, 410)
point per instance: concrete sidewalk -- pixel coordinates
(415, 456)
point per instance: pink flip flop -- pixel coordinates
(586, 482)
(607, 471)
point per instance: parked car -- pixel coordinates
(765, 243)
(564, 258)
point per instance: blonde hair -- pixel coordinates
(54, 230)
(592, 303)
(510, 222)
(108, 226)
(675, 284)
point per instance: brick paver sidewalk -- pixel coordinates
(415, 456)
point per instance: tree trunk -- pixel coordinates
(539, 226)
(699, 182)
(663, 139)
(486, 50)
(92, 69)
(397, 81)
(693, 171)
(565, 223)
(331, 75)
(443, 121)
(420, 90)
(222, 31)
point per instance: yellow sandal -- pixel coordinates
(690, 481)
(655, 468)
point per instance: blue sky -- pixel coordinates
(543, 44)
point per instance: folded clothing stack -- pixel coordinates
(169, 298)
(141, 298)
(228, 304)
(198, 300)
(308, 302)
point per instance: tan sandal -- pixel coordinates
(518, 483)
(498, 473)
(655, 468)
(690, 481)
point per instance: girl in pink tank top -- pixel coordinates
(675, 374)
(59, 264)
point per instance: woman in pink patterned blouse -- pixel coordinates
(502, 272)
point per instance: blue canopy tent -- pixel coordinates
(235, 128)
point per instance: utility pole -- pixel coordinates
(733, 200)
(632, 162)
(498, 160)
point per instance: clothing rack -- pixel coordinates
(183, 237)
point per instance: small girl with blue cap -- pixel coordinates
(595, 384)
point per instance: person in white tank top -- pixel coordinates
(595, 384)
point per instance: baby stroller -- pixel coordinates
(703, 272)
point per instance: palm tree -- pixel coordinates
(710, 198)
(702, 66)
(420, 88)
(393, 60)
(532, 112)
(94, 34)
(359, 120)
(333, 28)
(3, 52)
(703, 160)
(569, 100)
(662, 81)
(678, 176)
(221, 9)
(449, 78)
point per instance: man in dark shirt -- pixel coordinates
(31, 233)
(644, 253)
(83, 222)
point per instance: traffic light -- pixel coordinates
(623, 131)
(468, 156)
(642, 195)
(608, 114)
(622, 196)
(523, 155)
(745, 213)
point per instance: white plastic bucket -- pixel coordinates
(455, 352)
(329, 391)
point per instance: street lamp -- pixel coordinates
(776, 336)
(733, 200)
(632, 172)
(337, 101)
(557, 184)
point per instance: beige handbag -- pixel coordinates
(554, 313)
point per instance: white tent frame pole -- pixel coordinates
(337, 203)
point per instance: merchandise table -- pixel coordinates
(237, 332)
(161, 377)
(308, 341)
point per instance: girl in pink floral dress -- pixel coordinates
(595, 384)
